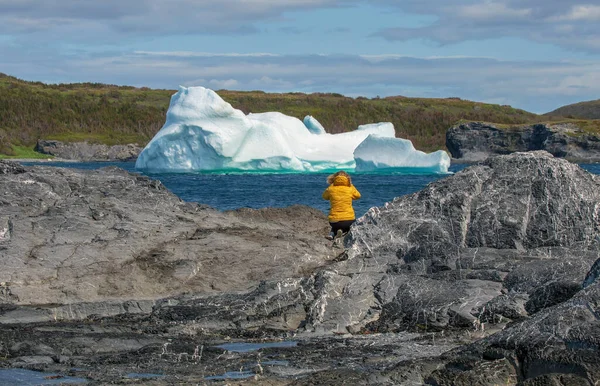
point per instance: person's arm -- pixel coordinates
(326, 194)
(355, 193)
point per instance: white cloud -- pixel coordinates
(222, 84)
(580, 13)
(491, 10)
(67, 40)
(572, 26)
(149, 17)
(191, 54)
(534, 86)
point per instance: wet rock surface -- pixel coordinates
(476, 141)
(86, 152)
(486, 277)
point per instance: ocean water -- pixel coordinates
(232, 191)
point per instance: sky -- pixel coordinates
(536, 55)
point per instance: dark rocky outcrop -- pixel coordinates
(485, 277)
(85, 152)
(557, 346)
(476, 141)
(434, 259)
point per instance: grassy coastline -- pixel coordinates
(25, 153)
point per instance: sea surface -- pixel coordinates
(254, 190)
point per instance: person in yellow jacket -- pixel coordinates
(340, 194)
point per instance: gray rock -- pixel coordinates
(503, 308)
(32, 360)
(485, 206)
(592, 275)
(550, 294)
(476, 141)
(9, 167)
(84, 151)
(435, 304)
(31, 348)
(154, 277)
(71, 238)
(558, 344)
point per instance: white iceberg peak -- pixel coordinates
(202, 132)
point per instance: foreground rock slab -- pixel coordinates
(69, 236)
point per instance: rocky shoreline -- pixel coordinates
(88, 152)
(486, 277)
(476, 141)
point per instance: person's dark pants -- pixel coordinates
(343, 225)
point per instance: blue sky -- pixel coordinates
(532, 54)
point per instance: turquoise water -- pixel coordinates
(232, 375)
(247, 347)
(143, 375)
(232, 191)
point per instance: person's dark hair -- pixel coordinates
(331, 177)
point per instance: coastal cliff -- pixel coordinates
(476, 141)
(488, 276)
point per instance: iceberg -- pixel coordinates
(397, 154)
(202, 132)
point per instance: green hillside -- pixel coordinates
(109, 114)
(581, 110)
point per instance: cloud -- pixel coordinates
(571, 26)
(535, 86)
(204, 54)
(147, 17)
(492, 11)
(108, 41)
(580, 12)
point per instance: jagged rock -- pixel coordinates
(510, 240)
(31, 349)
(592, 275)
(527, 219)
(435, 304)
(522, 201)
(10, 167)
(417, 263)
(85, 152)
(559, 345)
(551, 293)
(32, 360)
(505, 307)
(476, 141)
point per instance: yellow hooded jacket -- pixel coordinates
(340, 194)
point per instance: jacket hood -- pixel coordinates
(341, 181)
